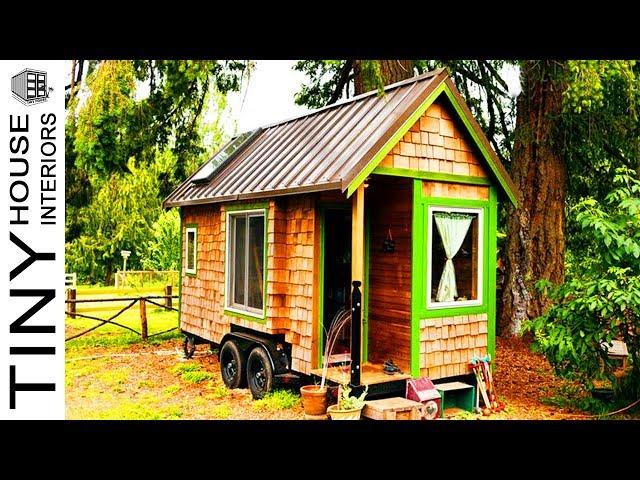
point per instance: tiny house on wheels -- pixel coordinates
(385, 204)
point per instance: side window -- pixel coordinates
(192, 248)
(246, 261)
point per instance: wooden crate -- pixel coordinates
(456, 394)
(395, 408)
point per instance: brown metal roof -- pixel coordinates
(322, 150)
(326, 149)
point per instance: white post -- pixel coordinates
(125, 254)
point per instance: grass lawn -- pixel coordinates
(158, 319)
(112, 374)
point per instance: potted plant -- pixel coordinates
(314, 397)
(348, 407)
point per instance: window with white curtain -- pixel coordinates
(455, 257)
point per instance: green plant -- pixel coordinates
(348, 402)
(278, 400)
(464, 415)
(196, 377)
(191, 372)
(217, 391)
(340, 320)
(171, 390)
(600, 299)
(162, 250)
(181, 368)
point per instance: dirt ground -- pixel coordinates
(143, 381)
(525, 382)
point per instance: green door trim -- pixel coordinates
(182, 249)
(365, 318)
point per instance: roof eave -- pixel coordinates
(254, 195)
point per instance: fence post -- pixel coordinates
(143, 318)
(71, 295)
(168, 301)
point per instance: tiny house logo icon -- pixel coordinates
(30, 86)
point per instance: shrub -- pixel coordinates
(600, 299)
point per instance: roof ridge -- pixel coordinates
(423, 76)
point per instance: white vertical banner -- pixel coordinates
(32, 122)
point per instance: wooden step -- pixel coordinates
(395, 408)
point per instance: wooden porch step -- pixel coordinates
(395, 408)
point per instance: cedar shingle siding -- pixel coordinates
(290, 253)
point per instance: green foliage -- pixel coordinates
(78, 190)
(572, 396)
(600, 299)
(103, 120)
(217, 391)
(324, 76)
(181, 368)
(171, 390)
(589, 81)
(371, 76)
(114, 124)
(129, 410)
(162, 250)
(348, 402)
(135, 131)
(600, 126)
(278, 400)
(196, 377)
(120, 217)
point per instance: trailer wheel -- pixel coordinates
(189, 346)
(259, 373)
(231, 365)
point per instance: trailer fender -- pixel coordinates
(247, 341)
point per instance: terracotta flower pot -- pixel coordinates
(314, 399)
(336, 414)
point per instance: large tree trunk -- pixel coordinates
(536, 231)
(391, 71)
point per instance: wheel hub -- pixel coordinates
(231, 368)
(260, 378)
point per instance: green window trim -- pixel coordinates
(420, 237)
(421, 246)
(431, 211)
(492, 261)
(233, 207)
(189, 228)
(245, 315)
(232, 310)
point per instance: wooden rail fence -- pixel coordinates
(167, 304)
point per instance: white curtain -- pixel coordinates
(452, 228)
